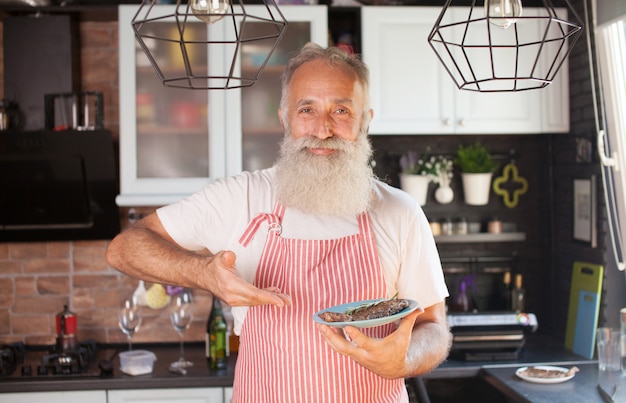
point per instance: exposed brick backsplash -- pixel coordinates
(38, 279)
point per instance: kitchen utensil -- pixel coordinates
(584, 307)
(140, 294)
(606, 396)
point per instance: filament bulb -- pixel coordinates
(209, 11)
(503, 13)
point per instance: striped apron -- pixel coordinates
(282, 356)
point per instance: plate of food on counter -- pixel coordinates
(366, 313)
(546, 374)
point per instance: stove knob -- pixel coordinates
(27, 370)
(42, 370)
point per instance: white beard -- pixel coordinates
(338, 184)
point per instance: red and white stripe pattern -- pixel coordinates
(282, 357)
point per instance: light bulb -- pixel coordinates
(503, 13)
(209, 11)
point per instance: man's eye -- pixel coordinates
(305, 110)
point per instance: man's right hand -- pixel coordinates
(232, 289)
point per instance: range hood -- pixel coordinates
(57, 186)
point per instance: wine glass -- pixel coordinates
(181, 314)
(129, 318)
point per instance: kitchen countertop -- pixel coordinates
(199, 375)
(582, 388)
(500, 374)
(538, 350)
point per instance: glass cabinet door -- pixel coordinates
(172, 125)
(171, 144)
(261, 131)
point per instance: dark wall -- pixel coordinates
(531, 215)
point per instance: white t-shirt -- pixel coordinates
(215, 218)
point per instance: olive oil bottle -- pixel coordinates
(217, 337)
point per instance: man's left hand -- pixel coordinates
(385, 357)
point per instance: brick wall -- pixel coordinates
(37, 279)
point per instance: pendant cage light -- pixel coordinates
(480, 55)
(203, 50)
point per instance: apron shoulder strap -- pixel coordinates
(274, 224)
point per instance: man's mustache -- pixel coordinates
(333, 143)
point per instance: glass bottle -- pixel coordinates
(518, 295)
(207, 333)
(217, 337)
(505, 292)
(463, 302)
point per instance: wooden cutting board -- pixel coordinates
(584, 307)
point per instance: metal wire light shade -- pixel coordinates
(188, 52)
(480, 56)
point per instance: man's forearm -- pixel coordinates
(430, 345)
(141, 253)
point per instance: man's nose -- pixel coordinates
(324, 128)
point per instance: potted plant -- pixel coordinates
(417, 173)
(477, 166)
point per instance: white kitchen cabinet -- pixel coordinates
(178, 395)
(412, 92)
(228, 395)
(174, 141)
(91, 396)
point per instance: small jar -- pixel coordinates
(460, 226)
(446, 227)
(435, 227)
(494, 226)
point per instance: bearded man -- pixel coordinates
(314, 231)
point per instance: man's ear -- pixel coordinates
(280, 118)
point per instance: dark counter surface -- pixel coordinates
(538, 350)
(199, 375)
(582, 388)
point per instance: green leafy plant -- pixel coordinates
(474, 158)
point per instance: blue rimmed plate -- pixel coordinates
(413, 305)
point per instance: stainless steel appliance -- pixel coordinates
(490, 336)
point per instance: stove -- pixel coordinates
(32, 362)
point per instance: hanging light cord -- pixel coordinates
(606, 162)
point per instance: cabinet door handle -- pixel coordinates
(461, 122)
(446, 122)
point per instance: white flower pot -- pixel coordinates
(416, 186)
(476, 188)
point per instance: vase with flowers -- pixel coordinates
(417, 173)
